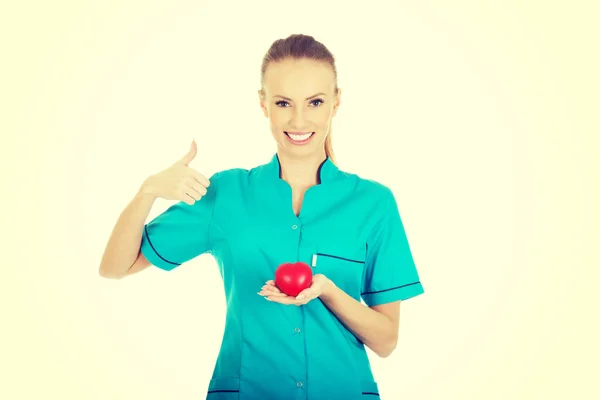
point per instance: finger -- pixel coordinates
(267, 292)
(271, 287)
(194, 194)
(281, 300)
(190, 154)
(192, 185)
(304, 295)
(200, 178)
(199, 188)
(277, 294)
(187, 199)
(270, 282)
(268, 289)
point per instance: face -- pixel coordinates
(299, 100)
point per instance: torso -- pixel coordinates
(270, 350)
(275, 351)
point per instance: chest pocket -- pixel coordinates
(343, 264)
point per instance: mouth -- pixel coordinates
(299, 137)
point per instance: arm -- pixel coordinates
(122, 255)
(390, 276)
(376, 326)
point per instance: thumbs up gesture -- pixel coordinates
(179, 181)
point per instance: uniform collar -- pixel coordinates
(328, 171)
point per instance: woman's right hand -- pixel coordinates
(178, 182)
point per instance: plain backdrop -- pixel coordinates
(480, 116)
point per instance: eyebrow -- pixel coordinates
(308, 98)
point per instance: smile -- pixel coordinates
(299, 137)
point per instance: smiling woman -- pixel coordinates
(300, 95)
(298, 208)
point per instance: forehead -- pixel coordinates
(298, 78)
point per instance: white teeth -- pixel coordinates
(299, 137)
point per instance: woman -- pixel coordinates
(296, 207)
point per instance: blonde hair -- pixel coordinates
(299, 46)
(328, 148)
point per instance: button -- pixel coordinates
(299, 384)
(294, 226)
(297, 330)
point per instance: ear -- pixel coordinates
(262, 103)
(337, 102)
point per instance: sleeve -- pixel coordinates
(390, 272)
(182, 232)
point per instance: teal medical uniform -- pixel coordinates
(349, 229)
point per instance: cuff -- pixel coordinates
(152, 255)
(403, 292)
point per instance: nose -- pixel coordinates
(299, 120)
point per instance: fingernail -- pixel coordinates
(300, 297)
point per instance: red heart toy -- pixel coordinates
(292, 278)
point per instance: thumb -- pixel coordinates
(190, 154)
(303, 294)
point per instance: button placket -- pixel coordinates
(297, 228)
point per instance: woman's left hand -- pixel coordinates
(320, 284)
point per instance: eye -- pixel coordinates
(282, 103)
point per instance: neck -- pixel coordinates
(301, 171)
